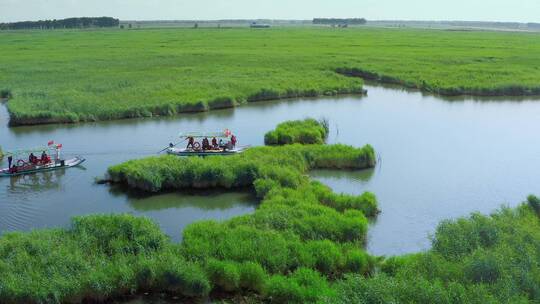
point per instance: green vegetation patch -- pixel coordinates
(307, 131)
(99, 257)
(302, 234)
(301, 237)
(280, 166)
(479, 259)
(72, 76)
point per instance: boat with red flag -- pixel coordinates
(207, 144)
(27, 161)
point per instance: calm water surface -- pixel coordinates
(439, 159)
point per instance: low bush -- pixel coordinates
(307, 131)
(533, 201)
(302, 286)
(224, 274)
(252, 277)
(5, 94)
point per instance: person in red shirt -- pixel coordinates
(233, 141)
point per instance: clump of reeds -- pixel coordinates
(307, 131)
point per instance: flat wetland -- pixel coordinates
(71, 76)
(439, 159)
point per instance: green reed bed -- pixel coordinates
(71, 76)
(307, 131)
(479, 259)
(302, 237)
(98, 257)
(284, 165)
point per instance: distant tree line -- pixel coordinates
(331, 21)
(83, 22)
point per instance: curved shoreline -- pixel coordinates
(510, 91)
(198, 107)
(169, 110)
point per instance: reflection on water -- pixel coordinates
(398, 88)
(441, 158)
(36, 182)
(205, 201)
(175, 210)
(335, 179)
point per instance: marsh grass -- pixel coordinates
(300, 238)
(301, 230)
(72, 76)
(478, 259)
(307, 132)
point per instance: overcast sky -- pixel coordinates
(481, 10)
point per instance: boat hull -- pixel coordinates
(191, 152)
(68, 163)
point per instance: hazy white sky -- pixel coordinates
(482, 10)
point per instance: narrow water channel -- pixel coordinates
(439, 159)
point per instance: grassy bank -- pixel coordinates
(307, 131)
(71, 76)
(479, 259)
(302, 236)
(286, 165)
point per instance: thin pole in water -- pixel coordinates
(172, 146)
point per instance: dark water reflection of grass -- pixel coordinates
(347, 176)
(205, 200)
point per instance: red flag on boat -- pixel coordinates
(50, 143)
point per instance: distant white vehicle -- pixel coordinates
(259, 25)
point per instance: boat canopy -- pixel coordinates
(220, 134)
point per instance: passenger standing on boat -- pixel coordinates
(233, 141)
(214, 143)
(10, 160)
(191, 141)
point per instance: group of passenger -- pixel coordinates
(44, 159)
(214, 145)
(32, 160)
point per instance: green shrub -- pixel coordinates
(303, 286)
(308, 131)
(357, 261)
(483, 268)
(6, 94)
(225, 275)
(275, 251)
(119, 234)
(533, 201)
(252, 277)
(325, 256)
(458, 238)
(187, 280)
